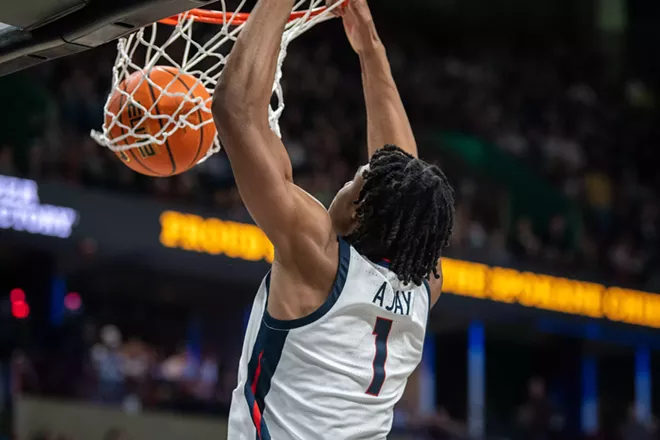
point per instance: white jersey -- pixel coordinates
(337, 373)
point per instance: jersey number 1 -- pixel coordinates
(381, 332)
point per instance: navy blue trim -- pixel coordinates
(337, 288)
(428, 290)
(266, 354)
(385, 264)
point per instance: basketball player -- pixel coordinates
(338, 325)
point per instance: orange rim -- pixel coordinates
(236, 18)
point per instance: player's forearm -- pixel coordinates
(247, 80)
(387, 121)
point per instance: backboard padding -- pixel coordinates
(81, 28)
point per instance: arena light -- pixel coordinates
(20, 309)
(16, 295)
(72, 301)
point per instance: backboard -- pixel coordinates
(35, 31)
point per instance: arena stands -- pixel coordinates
(557, 112)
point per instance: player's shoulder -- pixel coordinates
(304, 297)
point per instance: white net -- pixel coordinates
(194, 48)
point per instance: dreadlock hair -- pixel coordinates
(405, 214)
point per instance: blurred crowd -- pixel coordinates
(568, 116)
(579, 125)
(588, 132)
(108, 368)
(120, 379)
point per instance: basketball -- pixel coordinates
(164, 94)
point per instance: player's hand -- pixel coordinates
(358, 23)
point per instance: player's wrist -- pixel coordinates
(371, 46)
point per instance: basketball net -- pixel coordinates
(195, 46)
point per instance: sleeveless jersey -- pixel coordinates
(338, 372)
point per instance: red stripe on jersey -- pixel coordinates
(257, 373)
(256, 418)
(256, 412)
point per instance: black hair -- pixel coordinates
(405, 214)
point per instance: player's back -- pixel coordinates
(337, 373)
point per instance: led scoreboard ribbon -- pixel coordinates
(238, 240)
(551, 293)
(214, 237)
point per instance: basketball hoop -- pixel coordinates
(194, 46)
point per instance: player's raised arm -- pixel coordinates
(387, 121)
(260, 162)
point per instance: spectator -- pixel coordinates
(626, 261)
(107, 360)
(525, 242)
(634, 428)
(205, 388)
(537, 418)
(598, 191)
(556, 242)
(497, 250)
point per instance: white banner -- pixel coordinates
(21, 210)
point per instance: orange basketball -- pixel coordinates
(183, 148)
